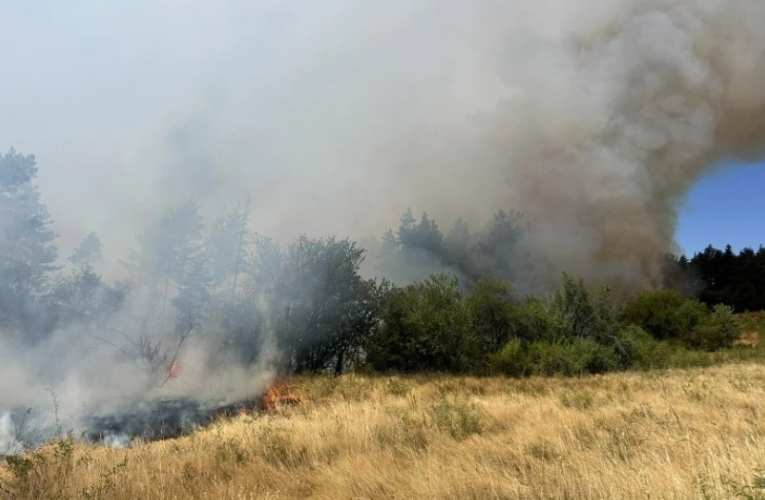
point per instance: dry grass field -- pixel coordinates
(697, 433)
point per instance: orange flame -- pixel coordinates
(175, 370)
(280, 392)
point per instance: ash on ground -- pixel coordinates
(157, 420)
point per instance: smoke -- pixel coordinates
(97, 378)
(593, 120)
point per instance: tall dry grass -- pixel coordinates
(686, 434)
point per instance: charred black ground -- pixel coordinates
(157, 420)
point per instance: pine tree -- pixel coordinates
(27, 253)
(228, 247)
(167, 248)
(87, 254)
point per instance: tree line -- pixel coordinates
(721, 276)
(442, 302)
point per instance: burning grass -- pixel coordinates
(278, 393)
(695, 433)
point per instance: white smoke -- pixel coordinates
(8, 435)
(592, 118)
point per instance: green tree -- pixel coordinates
(323, 309)
(492, 312)
(581, 313)
(665, 314)
(424, 326)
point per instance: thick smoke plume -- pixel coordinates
(592, 118)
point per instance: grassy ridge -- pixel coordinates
(696, 433)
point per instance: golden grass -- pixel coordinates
(674, 434)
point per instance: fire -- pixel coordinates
(175, 370)
(280, 392)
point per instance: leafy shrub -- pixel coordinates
(667, 315)
(577, 357)
(580, 313)
(718, 331)
(489, 303)
(425, 326)
(511, 359)
(646, 353)
(533, 321)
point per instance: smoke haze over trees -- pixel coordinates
(212, 309)
(593, 121)
(207, 182)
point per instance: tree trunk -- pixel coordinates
(340, 360)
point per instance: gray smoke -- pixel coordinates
(593, 119)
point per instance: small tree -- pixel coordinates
(322, 309)
(87, 254)
(27, 253)
(718, 331)
(665, 314)
(425, 326)
(492, 313)
(580, 313)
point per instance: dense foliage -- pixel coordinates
(451, 304)
(717, 276)
(431, 325)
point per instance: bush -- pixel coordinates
(718, 331)
(647, 353)
(425, 326)
(511, 359)
(491, 312)
(665, 314)
(579, 313)
(578, 357)
(533, 321)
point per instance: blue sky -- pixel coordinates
(726, 207)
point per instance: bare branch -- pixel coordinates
(177, 350)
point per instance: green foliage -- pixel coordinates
(645, 352)
(580, 313)
(582, 331)
(425, 326)
(511, 360)
(492, 314)
(721, 276)
(718, 331)
(533, 322)
(456, 417)
(577, 357)
(574, 358)
(667, 315)
(324, 310)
